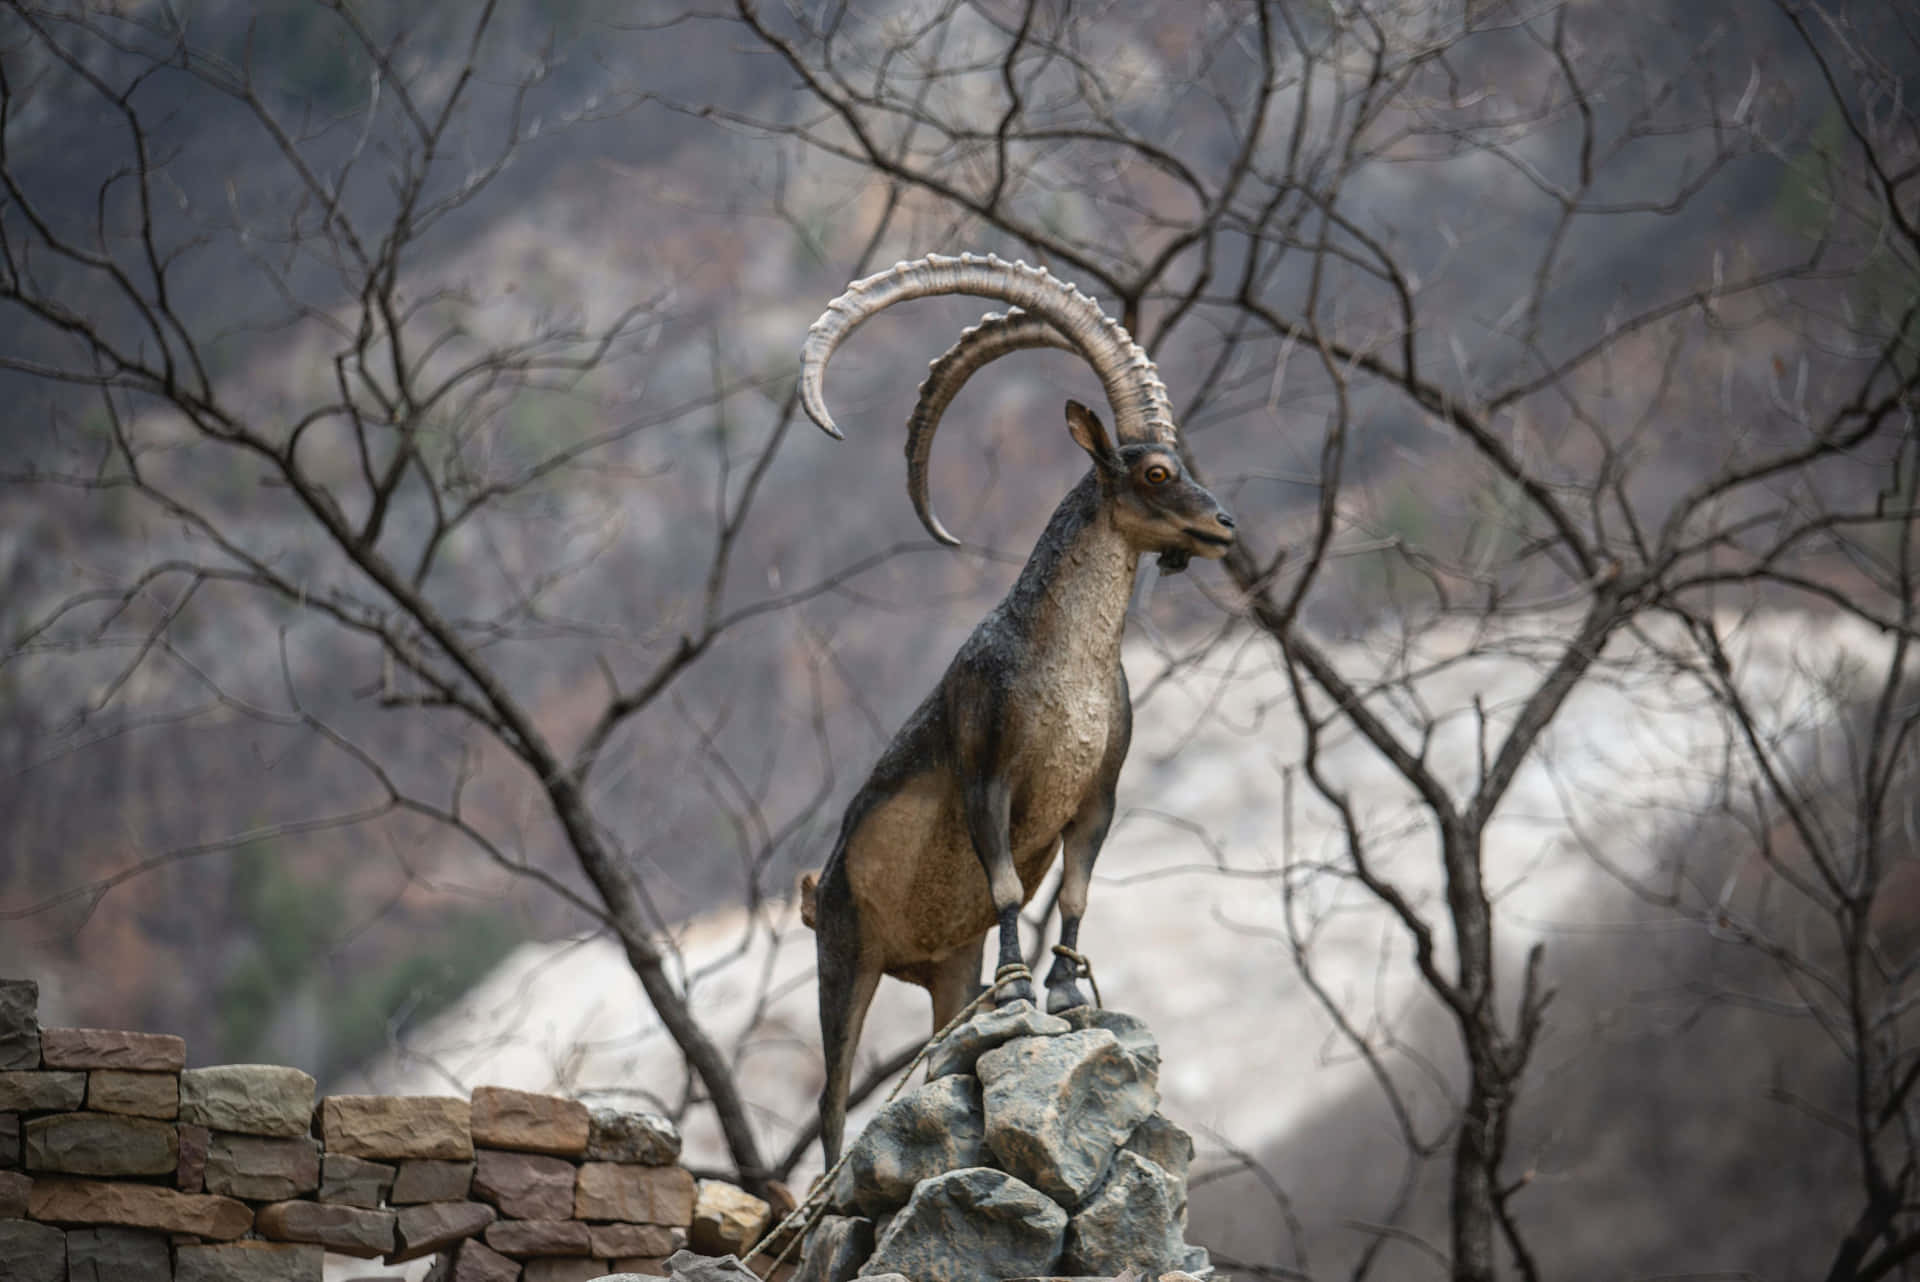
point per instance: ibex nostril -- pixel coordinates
(1224, 517)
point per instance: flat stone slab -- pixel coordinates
(346, 1230)
(116, 1090)
(526, 1186)
(36, 1092)
(249, 1262)
(994, 1026)
(619, 1135)
(32, 1252)
(137, 1206)
(118, 1255)
(1130, 1031)
(101, 1144)
(635, 1194)
(392, 1127)
(112, 1048)
(431, 1180)
(422, 1230)
(260, 1168)
(19, 1024)
(617, 1241)
(354, 1181)
(249, 1099)
(474, 1261)
(526, 1122)
(524, 1239)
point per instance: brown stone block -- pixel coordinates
(137, 1206)
(634, 1194)
(101, 1144)
(191, 1175)
(526, 1186)
(9, 1139)
(250, 1262)
(431, 1180)
(118, 1255)
(354, 1181)
(13, 1195)
(32, 1252)
(262, 1169)
(41, 1092)
(112, 1048)
(344, 1229)
(391, 1126)
(115, 1090)
(524, 1238)
(727, 1220)
(623, 1240)
(248, 1099)
(19, 1024)
(562, 1269)
(652, 1266)
(475, 1261)
(422, 1230)
(521, 1120)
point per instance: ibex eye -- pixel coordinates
(1158, 474)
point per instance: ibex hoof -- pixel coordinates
(1064, 997)
(1020, 990)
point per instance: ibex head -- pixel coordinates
(1157, 504)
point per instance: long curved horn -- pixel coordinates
(1141, 409)
(998, 334)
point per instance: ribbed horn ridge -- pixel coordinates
(1141, 409)
(998, 334)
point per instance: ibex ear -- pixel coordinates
(1089, 433)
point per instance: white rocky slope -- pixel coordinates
(1248, 1052)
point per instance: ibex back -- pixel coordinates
(1016, 752)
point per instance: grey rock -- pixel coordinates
(101, 1144)
(115, 1090)
(265, 1170)
(14, 1191)
(1198, 1263)
(616, 1135)
(249, 1262)
(354, 1181)
(32, 1252)
(9, 1139)
(118, 1255)
(835, 1250)
(431, 1180)
(25, 1092)
(251, 1099)
(1059, 1107)
(19, 1024)
(1136, 1038)
(691, 1266)
(1131, 1222)
(924, 1132)
(994, 1026)
(562, 1269)
(971, 1224)
(1168, 1147)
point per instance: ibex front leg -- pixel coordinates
(1080, 845)
(988, 802)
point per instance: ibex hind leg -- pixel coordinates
(956, 981)
(846, 990)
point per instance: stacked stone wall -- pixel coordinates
(120, 1164)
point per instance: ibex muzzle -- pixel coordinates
(1015, 753)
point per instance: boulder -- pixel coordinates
(347, 1230)
(249, 1262)
(526, 1186)
(971, 1224)
(727, 1220)
(1135, 1038)
(390, 1127)
(118, 1255)
(923, 1132)
(32, 1252)
(431, 1180)
(424, 1229)
(137, 1206)
(959, 1050)
(112, 1048)
(261, 1169)
(116, 1090)
(635, 1194)
(1168, 1147)
(41, 1092)
(354, 1181)
(521, 1120)
(1131, 1222)
(19, 1024)
(836, 1248)
(101, 1144)
(1057, 1108)
(615, 1135)
(248, 1099)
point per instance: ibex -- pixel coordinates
(1016, 752)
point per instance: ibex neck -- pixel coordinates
(1076, 585)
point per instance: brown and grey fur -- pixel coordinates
(1013, 755)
